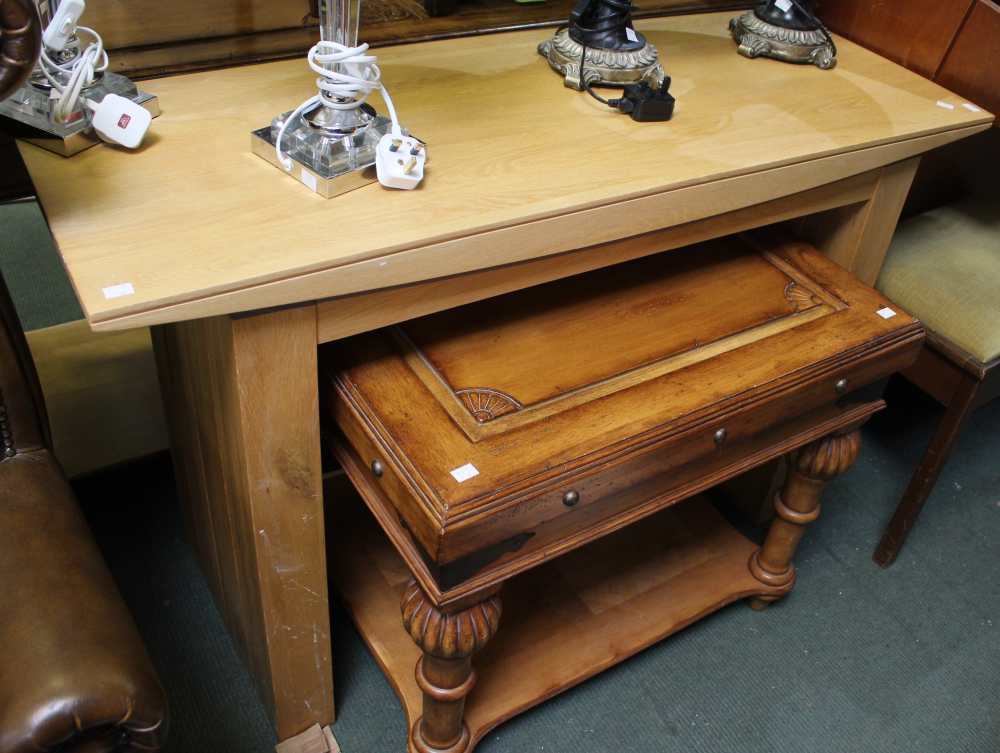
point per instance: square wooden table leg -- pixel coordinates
(857, 236)
(241, 399)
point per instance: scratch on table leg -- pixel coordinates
(304, 588)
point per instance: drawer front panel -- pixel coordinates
(402, 496)
(616, 485)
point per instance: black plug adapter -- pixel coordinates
(646, 104)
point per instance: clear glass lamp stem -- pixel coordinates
(338, 22)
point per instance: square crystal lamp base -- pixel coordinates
(25, 114)
(327, 166)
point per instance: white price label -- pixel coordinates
(886, 312)
(117, 291)
(464, 472)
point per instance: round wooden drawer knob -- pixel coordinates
(570, 498)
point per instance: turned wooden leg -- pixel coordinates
(797, 505)
(444, 672)
(926, 475)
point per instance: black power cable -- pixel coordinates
(819, 24)
(640, 101)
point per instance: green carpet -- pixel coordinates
(855, 660)
(31, 266)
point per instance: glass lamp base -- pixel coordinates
(28, 112)
(327, 162)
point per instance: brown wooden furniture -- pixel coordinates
(489, 439)
(146, 38)
(953, 42)
(945, 268)
(218, 246)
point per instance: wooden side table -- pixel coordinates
(548, 443)
(242, 272)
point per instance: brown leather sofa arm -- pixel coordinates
(74, 674)
(20, 43)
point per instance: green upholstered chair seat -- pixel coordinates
(944, 268)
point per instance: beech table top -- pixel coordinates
(197, 225)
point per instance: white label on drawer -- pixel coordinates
(886, 312)
(309, 180)
(783, 5)
(117, 291)
(945, 105)
(970, 107)
(465, 472)
(630, 33)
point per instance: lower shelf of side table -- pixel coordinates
(562, 622)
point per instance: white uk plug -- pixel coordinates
(120, 120)
(62, 27)
(399, 161)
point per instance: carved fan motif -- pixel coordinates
(485, 404)
(800, 297)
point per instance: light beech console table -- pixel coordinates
(242, 272)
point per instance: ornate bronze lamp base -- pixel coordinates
(758, 38)
(603, 66)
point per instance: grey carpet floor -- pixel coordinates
(855, 660)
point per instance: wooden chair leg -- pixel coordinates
(927, 472)
(797, 505)
(444, 672)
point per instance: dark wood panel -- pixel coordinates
(191, 35)
(955, 171)
(14, 180)
(970, 68)
(914, 33)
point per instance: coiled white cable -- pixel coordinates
(77, 74)
(356, 77)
